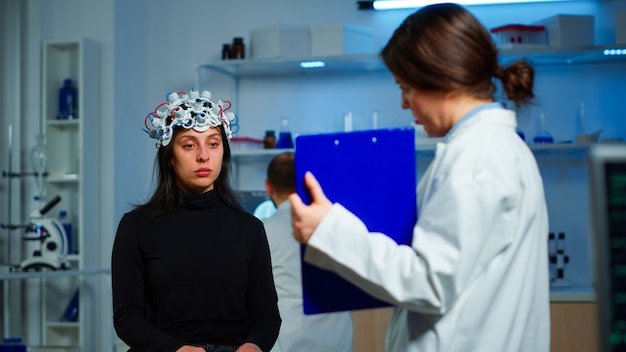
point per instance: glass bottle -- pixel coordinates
(284, 136)
(68, 101)
(225, 51)
(237, 50)
(269, 142)
(71, 311)
(39, 160)
(542, 136)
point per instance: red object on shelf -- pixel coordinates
(520, 34)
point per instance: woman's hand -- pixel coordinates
(248, 347)
(305, 218)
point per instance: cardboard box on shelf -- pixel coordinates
(341, 39)
(620, 27)
(569, 30)
(280, 41)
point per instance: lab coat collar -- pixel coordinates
(491, 113)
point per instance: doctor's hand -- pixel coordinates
(305, 218)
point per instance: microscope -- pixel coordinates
(53, 240)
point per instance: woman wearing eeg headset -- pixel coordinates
(190, 269)
(475, 277)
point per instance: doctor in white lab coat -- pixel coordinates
(475, 277)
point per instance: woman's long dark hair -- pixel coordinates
(168, 196)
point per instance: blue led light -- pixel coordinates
(312, 64)
(611, 52)
(405, 4)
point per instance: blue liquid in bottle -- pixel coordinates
(543, 138)
(285, 141)
(71, 311)
(68, 101)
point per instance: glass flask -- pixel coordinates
(39, 160)
(285, 141)
(543, 136)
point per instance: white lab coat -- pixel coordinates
(298, 332)
(476, 275)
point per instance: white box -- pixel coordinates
(569, 30)
(280, 41)
(341, 39)
(620, 27)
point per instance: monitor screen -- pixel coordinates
(608, 196)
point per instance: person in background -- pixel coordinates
(299, 332)
(265, 209)
(191, 270)
(475, 277)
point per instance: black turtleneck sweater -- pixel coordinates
(200, 275)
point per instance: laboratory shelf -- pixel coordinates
(249, 68)
(6, 274)
(547, 55)
(557, 149)
(427, 147)
(256, 154)
(63, 178)
(539, 55)
(63, 123)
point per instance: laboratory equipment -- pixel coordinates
(607, 192)
(68, 101)
(71, 311)
(51, 235)
(269, 141)
(542, 136)
(558, 259)
(39, 160)
(285, 141)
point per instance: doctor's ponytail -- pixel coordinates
(517, 81)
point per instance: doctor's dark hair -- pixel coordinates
(444, 48)
(168, 196)
(281, 173)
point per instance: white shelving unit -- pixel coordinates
(73, 149)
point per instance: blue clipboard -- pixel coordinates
(372, 174)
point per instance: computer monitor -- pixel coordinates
(607, 187)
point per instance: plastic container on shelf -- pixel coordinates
(68, 101)
(569, 30)
(280, 41)
(519, 35)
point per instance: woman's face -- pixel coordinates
(197, 159)
(427, 108)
